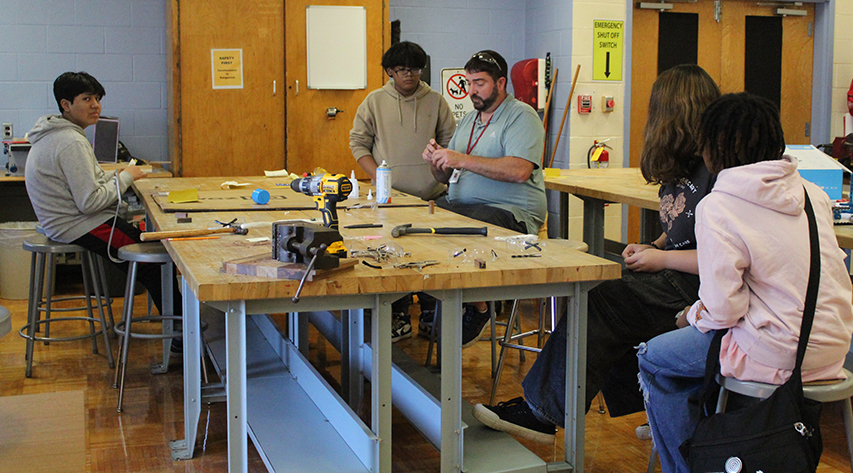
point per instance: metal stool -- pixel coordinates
(513, 333)
(94, 282)
(838, 391)
(5, 321)
(134, 254)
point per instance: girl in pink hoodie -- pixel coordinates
(753, 254)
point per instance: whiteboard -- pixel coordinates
(337, 47)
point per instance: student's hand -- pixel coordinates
(634, 248)
(135, 172)
(650, 260)
(681, 319)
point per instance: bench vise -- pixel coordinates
(299, 242)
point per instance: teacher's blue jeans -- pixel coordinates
(672, 369)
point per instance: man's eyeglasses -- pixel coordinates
(486, 57)
(405, 71)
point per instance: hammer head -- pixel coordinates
(240, 230)
(400, 230)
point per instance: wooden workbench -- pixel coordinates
(597, 187)
(212, 195)
(272, 390)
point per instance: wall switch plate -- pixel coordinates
(7, 131)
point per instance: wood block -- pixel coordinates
(265, 266)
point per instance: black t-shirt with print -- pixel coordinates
(678, 207)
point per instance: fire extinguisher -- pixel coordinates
(598, 156)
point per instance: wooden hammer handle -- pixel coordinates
(153, 236)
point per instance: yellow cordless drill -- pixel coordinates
(326, 190)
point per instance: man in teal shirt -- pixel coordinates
(492, 165)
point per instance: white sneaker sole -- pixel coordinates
(401, 337)
(644, 432)
(492, 420)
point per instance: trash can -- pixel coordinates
(14, 261)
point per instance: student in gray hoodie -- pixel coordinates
(394, 124)
(73, 198)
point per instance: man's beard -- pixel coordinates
(486, 103)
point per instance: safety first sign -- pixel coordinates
(454, 88)
(607, 44)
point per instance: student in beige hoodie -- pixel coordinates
(394, 124)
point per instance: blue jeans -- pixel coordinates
(672, 369)
(622, 313)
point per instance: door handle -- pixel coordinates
(332, 112)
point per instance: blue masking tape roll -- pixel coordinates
(261, 196)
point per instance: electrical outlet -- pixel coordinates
(7, 131)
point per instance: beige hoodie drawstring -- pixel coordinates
(400, 108)
(415, 117)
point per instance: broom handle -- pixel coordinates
(565, 112)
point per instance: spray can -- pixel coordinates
(383, 183)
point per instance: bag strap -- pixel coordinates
(712, 362)
(814, 282)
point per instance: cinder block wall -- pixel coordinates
(121, 42)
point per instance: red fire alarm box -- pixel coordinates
(584, 104)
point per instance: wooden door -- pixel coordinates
(228, 132)
(721, 52)
(644, 69)
(313, 139)
(795, 106)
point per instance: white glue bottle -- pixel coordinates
(354, 181)
(383, 183)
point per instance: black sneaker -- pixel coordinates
(473, 325)
(515, 417)
(401, 327)
(177, 346)
(425, 323)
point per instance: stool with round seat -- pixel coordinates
(5, 321)
(44, 253)
(152, 253)
(832, 391)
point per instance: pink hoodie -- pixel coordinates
(753, 251)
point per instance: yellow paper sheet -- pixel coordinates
(186, 195)
(552, 172)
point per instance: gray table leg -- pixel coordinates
(235, 350)
(593, 225)
(576, 376)
(352, 338)
(451, 382)
(167, 273)
(184, 449)
(564, 215)
(380, 393)
(650, 228)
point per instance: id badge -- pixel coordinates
(454, 178)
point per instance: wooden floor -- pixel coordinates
(137, 439)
